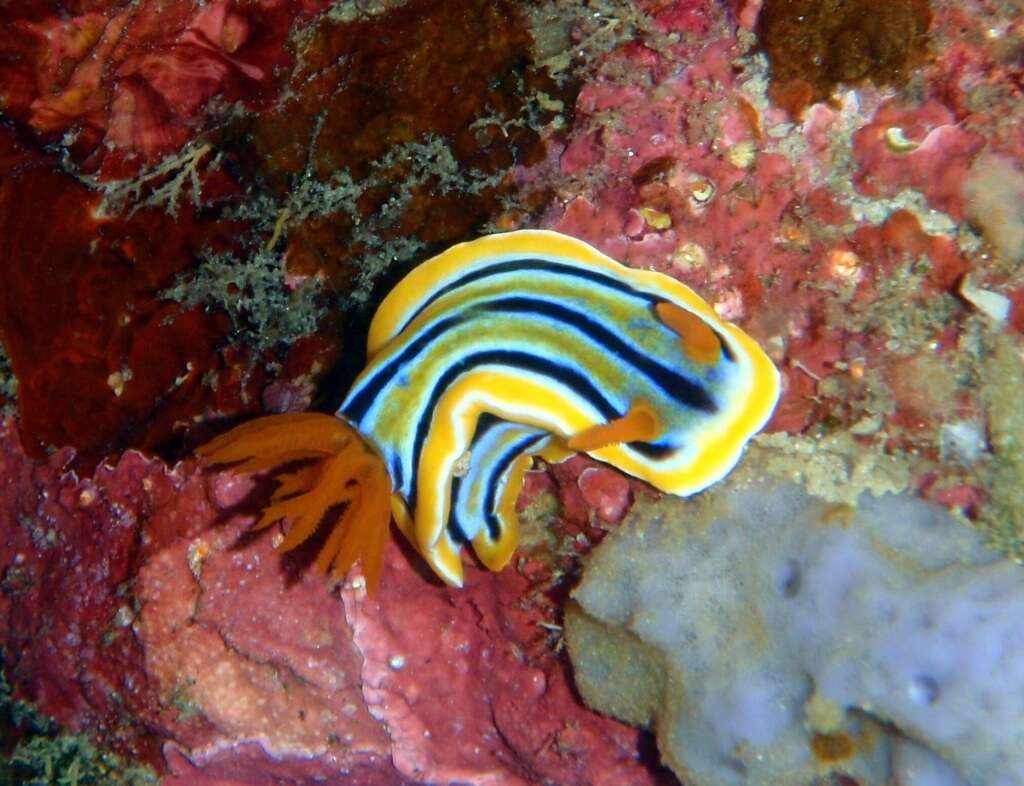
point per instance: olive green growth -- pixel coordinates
(1003, 477)
(616, 672)
(45, 756)
(8, 384)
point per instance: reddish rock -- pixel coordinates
(607, 492)
(102, 363)
(133, 610)
(242, 651)
(1017, 309)
(963, 497)
(507, 713)
(68, 554)
(933, 159)
(901, 237)
(136, 82)
(250, 765)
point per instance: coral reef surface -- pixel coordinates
(135, 608)
(202, 202)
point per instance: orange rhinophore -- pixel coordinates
(699, 341)
(640, 423)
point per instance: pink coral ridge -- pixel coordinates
(127, 594)
(470, 691)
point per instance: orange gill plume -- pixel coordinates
(323, 463)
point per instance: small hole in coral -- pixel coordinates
(923, 690)
(735, 764)
(787, 581)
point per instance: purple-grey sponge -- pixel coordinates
(769, 637)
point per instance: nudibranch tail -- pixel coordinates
(337, 468)
(484, 496)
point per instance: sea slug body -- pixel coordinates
(535, 343)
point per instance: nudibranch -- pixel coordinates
(511, 346)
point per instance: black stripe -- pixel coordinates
(456, 530)
(654, 450)
(503, 464)
(355, 409)
(671, 382)
(456, 527)
(675, 385)
(568, 377)
(726, 351)
(560, 268)
(534, 265)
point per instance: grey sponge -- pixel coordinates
(772, 638)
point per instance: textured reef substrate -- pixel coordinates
(200, 204)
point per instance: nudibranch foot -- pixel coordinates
(323, 463)
(484, 498)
